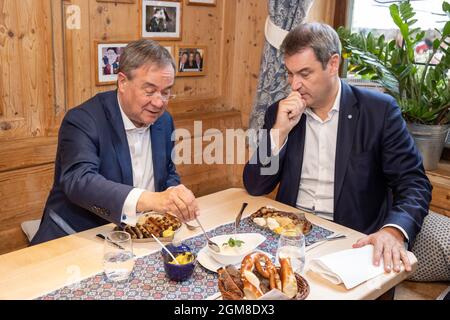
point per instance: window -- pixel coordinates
(374, 16)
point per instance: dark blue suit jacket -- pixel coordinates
(379, 176)
(93, 172)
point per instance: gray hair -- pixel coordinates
(143, 52)
(320, 37)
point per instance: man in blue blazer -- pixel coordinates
(342, 152)
(114, 152)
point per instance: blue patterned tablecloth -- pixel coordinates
(148, 280)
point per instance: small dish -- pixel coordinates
(178, 272)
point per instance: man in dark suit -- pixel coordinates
(342, 152)
(114, 152)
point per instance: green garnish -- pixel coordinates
(233, 243)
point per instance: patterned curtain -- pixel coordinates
(272, 84)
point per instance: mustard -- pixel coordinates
(168, 233)
(183, 258)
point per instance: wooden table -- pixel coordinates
(32, 272)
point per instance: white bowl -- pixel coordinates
(235, 255)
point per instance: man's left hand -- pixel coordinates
(388, 242)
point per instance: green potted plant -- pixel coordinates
(422, 89)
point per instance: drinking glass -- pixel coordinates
(292, 245)
(118, 258)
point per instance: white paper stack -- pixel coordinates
(350, 267)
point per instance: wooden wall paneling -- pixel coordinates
(206, 178)
(250, 41)
(23, 194)
(27, 103)
(201, 26)
(186, 107)
(244, 41)
(228, 41)
(78, 44)
(111, 21)
(56, 111)
(12, 111)
(12, 239)
(322, 11)
(210, 120)
(25, 78)
(107, 23)
(27, 153)
(203, 178)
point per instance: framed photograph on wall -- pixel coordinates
(190, 60)
(107, 61)
(201, 2)
(161, 20)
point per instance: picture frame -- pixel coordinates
(161, 20)
(195, 55)
(107, 55)
(210, 3)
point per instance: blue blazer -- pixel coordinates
(93, 172)
(379, 176)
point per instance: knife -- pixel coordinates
(113, 243)
(239, 216)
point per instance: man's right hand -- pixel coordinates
(290, 111)
(178, 200)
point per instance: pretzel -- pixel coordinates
(251, 283)
(288, 280)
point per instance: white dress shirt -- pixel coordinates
(140, 146)
(316, 189)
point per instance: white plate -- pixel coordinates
(209, 263)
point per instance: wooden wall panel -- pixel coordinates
(23, 194)
(202, 26)
(26, 55)
(322, 11)
(27, 153)
(78, 43)
(56, 110)
(247, 55)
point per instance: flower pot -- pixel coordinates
(430, 140)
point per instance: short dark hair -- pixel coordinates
(112, 48)
(143, 52)
(320, 37)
